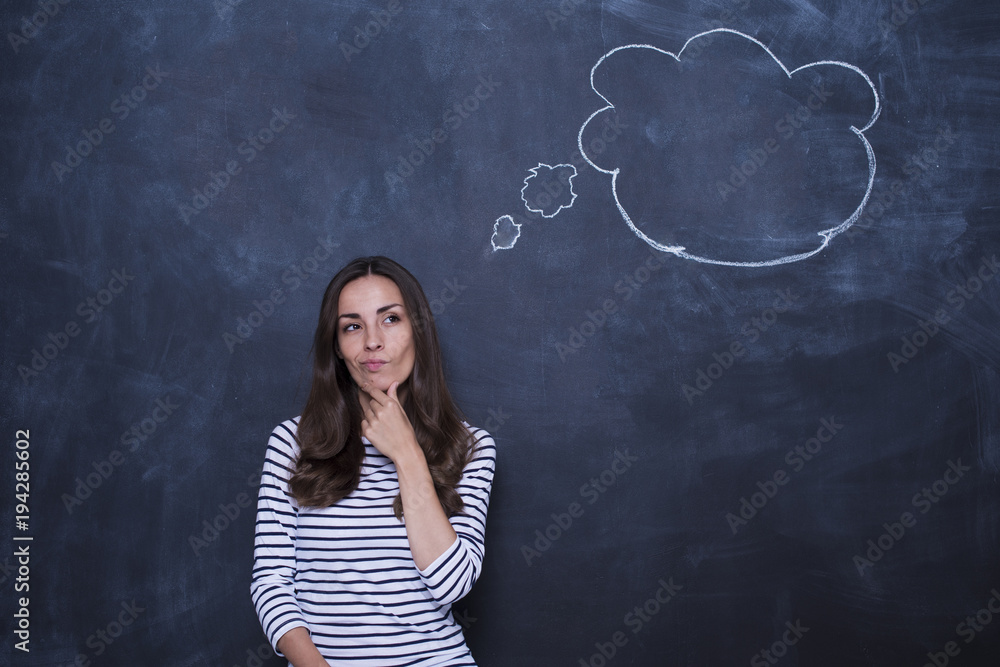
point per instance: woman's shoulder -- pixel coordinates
(480, 441)
(283, 437)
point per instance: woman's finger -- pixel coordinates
(375, 393)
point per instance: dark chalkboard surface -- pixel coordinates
(731, 313)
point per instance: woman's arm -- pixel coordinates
(273, 585)
(454, 573)
(298, 647)
(427, 527)
(448, 553)
(386, 426)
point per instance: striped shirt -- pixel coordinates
(346, 574)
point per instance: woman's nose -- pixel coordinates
(373, 340)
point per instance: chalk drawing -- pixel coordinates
(825, 235)
(505, 233)
(547, 177)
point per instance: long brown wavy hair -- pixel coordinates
(329, 433)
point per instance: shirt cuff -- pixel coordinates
(430, 574)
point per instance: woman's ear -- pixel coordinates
(336, 349)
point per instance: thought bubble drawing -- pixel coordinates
(549, 189)
(728, 157)
(505, 233)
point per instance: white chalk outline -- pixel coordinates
(534, 174)
(496, 224)
(826, 234)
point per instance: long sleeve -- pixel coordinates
(451, 576)
(273, 587)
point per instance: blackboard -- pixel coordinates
(731, 315)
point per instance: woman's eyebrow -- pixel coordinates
(355, 316)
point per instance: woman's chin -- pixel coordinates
(380, 383)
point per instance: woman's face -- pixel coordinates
(374, 334)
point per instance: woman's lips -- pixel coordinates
(373, 365)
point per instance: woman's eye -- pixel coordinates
(393, 318)
(350, 327)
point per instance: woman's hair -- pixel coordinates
(329, 433)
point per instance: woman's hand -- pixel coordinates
(386, 425)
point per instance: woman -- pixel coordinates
(372, 505)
